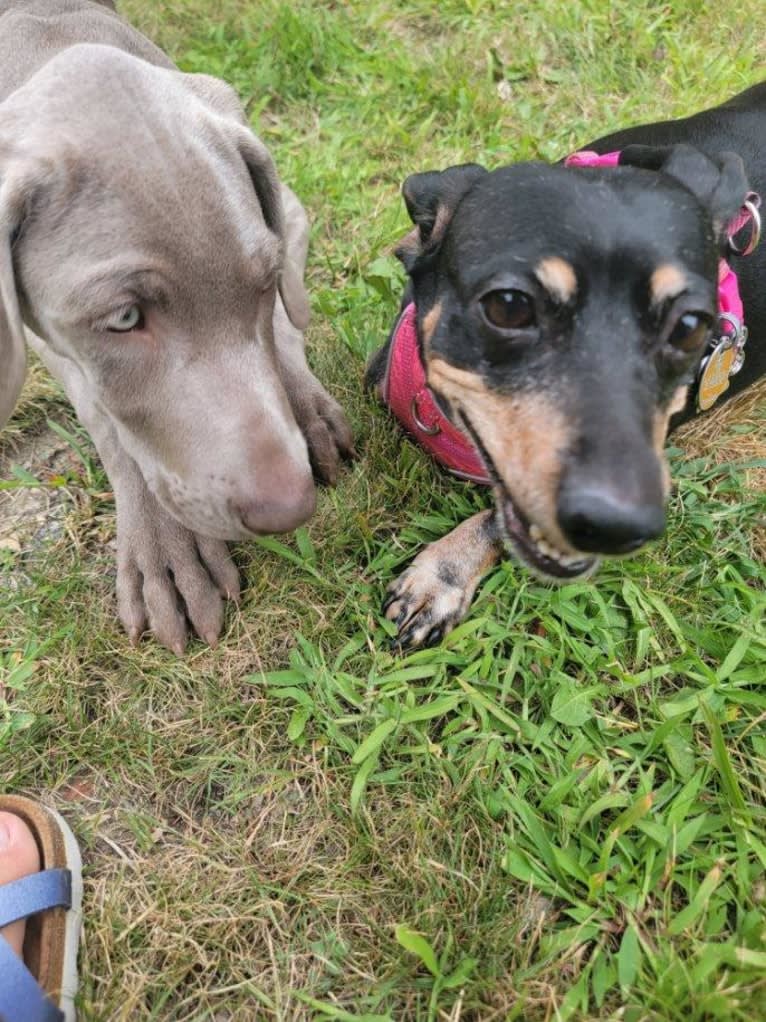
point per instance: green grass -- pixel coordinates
(560, 813)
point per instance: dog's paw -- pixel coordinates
(434, 593)
(169, 578)
(427, 601)
(324, 425)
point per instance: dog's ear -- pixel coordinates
(719, 182)
(224, 100)
(217, 94)
(13, 357)
(431, 199)
(266, 183)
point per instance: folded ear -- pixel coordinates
(431, 199)
(719, 182)
(266, 183)
(13, 358)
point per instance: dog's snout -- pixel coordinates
(596, 519)
(283, 509)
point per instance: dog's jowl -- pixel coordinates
(560, 319)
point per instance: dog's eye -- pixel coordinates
(509, 309)
(690, 331)
(130, 318)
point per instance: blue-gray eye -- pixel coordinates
(130, 318)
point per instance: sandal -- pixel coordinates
(42, 987)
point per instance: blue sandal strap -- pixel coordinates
(21, 997)
(49, 888)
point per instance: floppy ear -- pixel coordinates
(431, 199)
(13, 357)
(224, 100)
(266, 183)
(719, 182)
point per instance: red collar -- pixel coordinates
(406, 391)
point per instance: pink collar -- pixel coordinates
(406, 391)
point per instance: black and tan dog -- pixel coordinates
(563, 315)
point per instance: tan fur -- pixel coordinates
(430, 321)
(667, 281)
(468, 549)
(524, 434)
(558, 277)
(660, 432)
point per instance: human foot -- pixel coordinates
(40, 895)
(19, 857)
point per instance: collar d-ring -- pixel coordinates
(428, 430)
(751, 204)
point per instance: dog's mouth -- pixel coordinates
(525, 538)
(533, 549)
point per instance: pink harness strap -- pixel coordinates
(406, 391)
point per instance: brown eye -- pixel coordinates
(690, 331)
(509, 310)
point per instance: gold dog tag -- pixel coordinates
(715, 373)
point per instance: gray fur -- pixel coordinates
(123, 180)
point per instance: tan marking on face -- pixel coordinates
(429, 323)
(443, 376)
(660, 432)
(667, 281)
(558, 277)
(526, 435)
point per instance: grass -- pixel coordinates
(560, 813)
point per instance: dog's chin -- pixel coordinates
(528, 544)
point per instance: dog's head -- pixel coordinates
(142, 238)
(563, 314)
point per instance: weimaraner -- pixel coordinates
(157, 265)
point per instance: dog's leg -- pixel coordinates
(434, 593)
(166, 574)
(319, 416)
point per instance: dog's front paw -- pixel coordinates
(435, 592)
(324, 425)
(169, 577)
(427, 601)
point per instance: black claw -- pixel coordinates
(395, 645)
(406, 637)
(403, 616)
(435, 636)
(388, 601)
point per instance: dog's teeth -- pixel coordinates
(545, 549)
(535, 532)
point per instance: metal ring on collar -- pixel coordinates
(755, 229)
(734, 322)
(428, 430)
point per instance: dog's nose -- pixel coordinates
(287, 506)
(599, 520)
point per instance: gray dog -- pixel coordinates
(157, 265)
